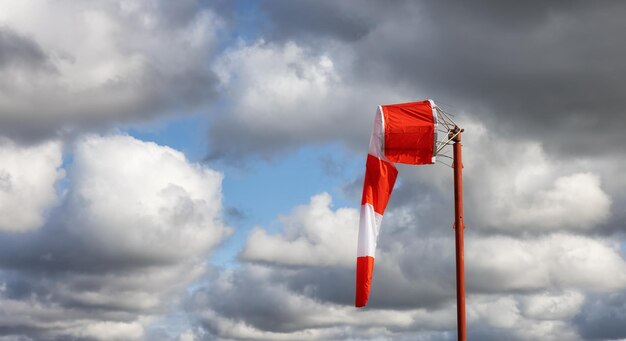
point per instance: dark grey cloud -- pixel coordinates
(546, 71)
(258, 302)
(603, 317)
(310, 20)
(19, 51)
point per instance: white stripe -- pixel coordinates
(377, 140)
(433, 107)
(376, 147)
(382, 132)
(369, 225)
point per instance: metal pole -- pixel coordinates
(459, 226)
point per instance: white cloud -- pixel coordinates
(316, 235)
(187, 336)
(70, 64)
(575, 201)
(281, 96)
(27, 179)
(551, 261)
(502, 315)
(549, 306)
(515, 186)
(313, 234)
(134, 197)
(131, 233)
(419, 271)
(519, 287)
(278, 88)
(112, 331)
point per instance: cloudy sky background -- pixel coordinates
(183, 170)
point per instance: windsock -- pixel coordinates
(402, 133)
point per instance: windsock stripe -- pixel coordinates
(433, 106)
(409, 132)
(380, 176)
(364, 271)
(369, 226)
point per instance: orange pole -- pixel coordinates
(459, 226)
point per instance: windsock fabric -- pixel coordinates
(402, 133)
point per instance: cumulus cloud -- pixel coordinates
(500, 318)
(313, 234)
(553, 261)
(115, 203)
(27, 179)
(250, 304)
(276, 93)
(515, 185)
(281, 96)
(67, 65)
(512, 186)
(519, 288)
(131, 232)
(549, 306)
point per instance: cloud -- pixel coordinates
(523, 72)
(511, 186)
(130, 233)
(497, 318)
(602, 317)
(27, 179)
(515, 185)
(70, 65)
(312, 19)
(535, 253)
(520, 288)
(232, 309)
(130, 226)
(175, 204)
(563, 97)
(19, 51)
(272, 89)
(548, 306)
(313, 235)
(278, 97)
(552, 261)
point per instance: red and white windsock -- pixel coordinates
(402, 133)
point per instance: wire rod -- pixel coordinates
(443, 163)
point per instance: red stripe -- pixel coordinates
(380, 176)
(409, 132)
(364, 271)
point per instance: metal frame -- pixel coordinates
(450, 131)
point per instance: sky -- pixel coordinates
(192, 170)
